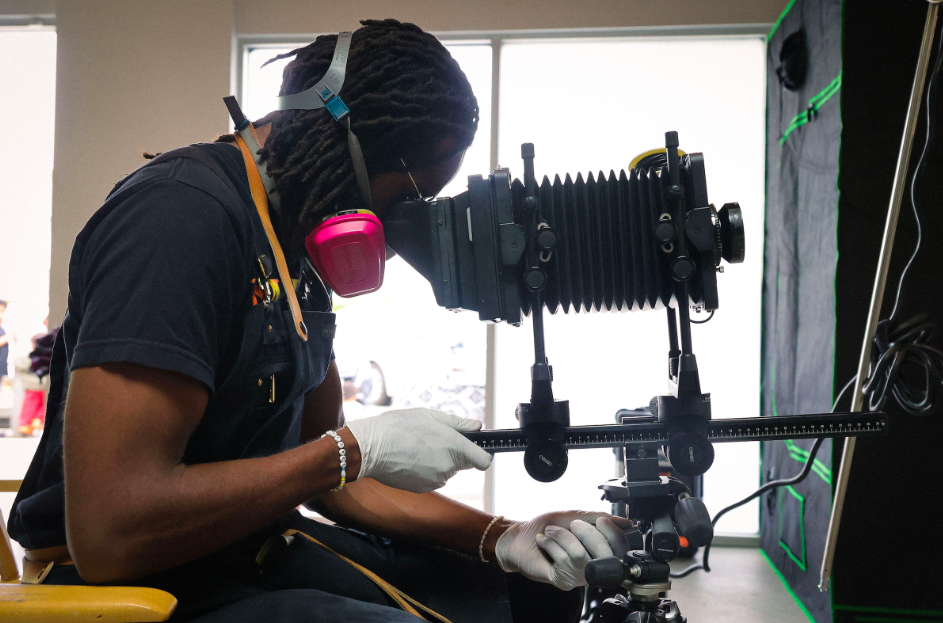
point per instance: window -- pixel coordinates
(627, 94)
(27, 104)
(587, 104)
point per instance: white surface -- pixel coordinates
(27, 102)
(594, 105)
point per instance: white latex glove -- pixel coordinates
(569, 539)
(416, 450)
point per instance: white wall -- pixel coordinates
(304, 16)
(132, 75)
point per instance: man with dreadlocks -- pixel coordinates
(187, 420)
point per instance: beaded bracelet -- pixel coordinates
(343, 455)
(481, 546)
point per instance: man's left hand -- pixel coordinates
(571, 539)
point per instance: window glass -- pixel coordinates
(27, 104)
(591, 106)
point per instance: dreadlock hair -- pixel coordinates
(406, 94)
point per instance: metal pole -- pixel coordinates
(880, 280)
(491, 330)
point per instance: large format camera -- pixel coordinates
(647, 239)
(604, 243)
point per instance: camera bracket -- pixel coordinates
(543, 420)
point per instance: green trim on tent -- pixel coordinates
(815, 104)
(782, 16)
(782, 579)
(800, 561)
(802, 455)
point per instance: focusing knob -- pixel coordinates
(690, 453)
(546, 237)
(683, 268)
(535, 279)
(545, 460)
(665, 232)
(718, 236)
(731, 232)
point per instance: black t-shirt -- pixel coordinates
(165, 275)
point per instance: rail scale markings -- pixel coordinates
(614, 435)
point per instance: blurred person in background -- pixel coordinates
(33, 372)
(4, 344)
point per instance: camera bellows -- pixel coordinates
(606, 257)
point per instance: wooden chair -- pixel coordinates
(39, 603)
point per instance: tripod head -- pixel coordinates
(665, 511)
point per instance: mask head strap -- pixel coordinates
(326, 94)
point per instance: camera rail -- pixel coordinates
(635, 430)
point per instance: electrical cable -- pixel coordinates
(906, 345)
(927, 145)
(773, 484)
(706, 320)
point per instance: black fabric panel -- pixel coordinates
(890, 515)
(799, 288)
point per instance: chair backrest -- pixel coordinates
(9, 572)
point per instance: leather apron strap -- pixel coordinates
(261, 205)
(37, 563)
(407, 603)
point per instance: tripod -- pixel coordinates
(664, 510)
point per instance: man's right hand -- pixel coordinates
(416, 450)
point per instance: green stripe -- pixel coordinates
(792, 556)
(801, 605)
(801, 455)
(800, 561)
(827, 92)
(814, 104)
(892, 620)
(873, 610)
(782, 16)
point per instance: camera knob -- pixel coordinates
(665, 232)
(693, 521)
(546, 237)
(535, 279)
(545, 460)
(690, 453)
(606, 572)
(731, 232)
(683, 268)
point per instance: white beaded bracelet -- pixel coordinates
(481, 546)
(343, 455)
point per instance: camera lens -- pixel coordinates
(731, 233)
